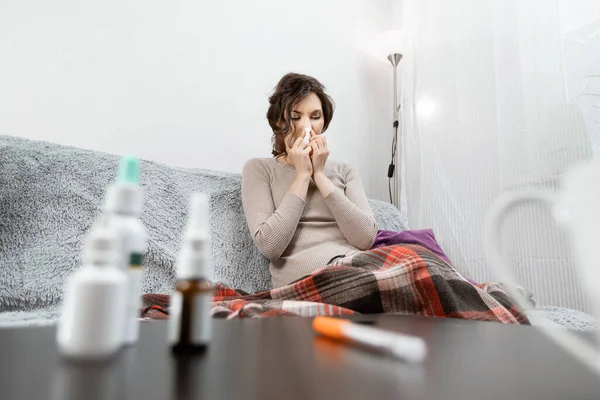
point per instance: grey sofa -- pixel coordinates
(50, 195)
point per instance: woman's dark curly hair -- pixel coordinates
(289, 91)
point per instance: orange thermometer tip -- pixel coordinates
(330, 327)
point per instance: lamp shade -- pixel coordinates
(386, 43)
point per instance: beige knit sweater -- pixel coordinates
(300, 236)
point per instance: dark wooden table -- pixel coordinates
(280, 358)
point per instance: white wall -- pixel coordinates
(186, 82)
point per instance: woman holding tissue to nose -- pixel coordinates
(303, 209)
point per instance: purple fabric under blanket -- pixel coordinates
(423, 237)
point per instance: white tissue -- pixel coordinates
(306, 138)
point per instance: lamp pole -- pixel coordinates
(394, 172)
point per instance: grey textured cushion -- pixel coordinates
(388, 217)
(574, 320)
(50, 195)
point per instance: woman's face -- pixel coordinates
(308, 112)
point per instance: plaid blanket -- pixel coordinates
(394, 279)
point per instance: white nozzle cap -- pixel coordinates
(194, 261)
(124, 198)
(101, 244)
(198, 223)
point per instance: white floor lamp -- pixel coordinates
(389, 44)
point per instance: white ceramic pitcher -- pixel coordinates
(577, 207)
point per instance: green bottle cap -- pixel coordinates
(129, 170)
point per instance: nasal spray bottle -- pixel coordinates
(124, 206)
(190, 321)
(91, 323)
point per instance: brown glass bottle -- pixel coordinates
(190, 325)
(191, 319)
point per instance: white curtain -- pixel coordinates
(491, 93)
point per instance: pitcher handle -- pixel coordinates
(579, 348)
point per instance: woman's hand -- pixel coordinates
(320, 153)
(298, 156)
